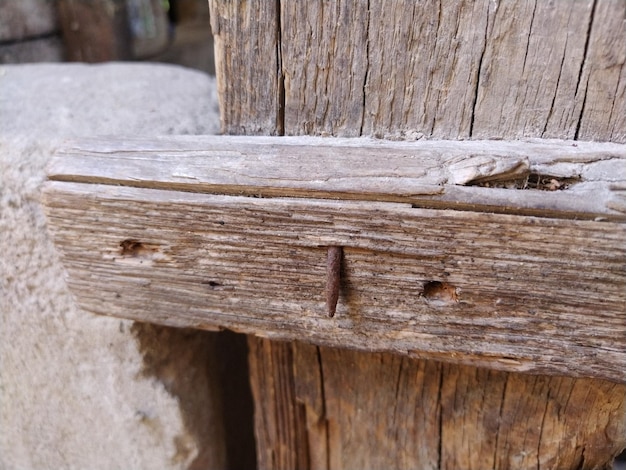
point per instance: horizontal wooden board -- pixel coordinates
(588, 179)
(528, 293)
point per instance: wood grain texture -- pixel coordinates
(440, 174)
(248, 66)
(274, 391)
(325, 66)
(604, 75)
(413, 91)
(511, 420)
(404, 69)
(529, 76)
(451, 70)
(372, 410)
(545, 295)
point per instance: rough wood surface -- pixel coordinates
(530, 293)
(247, 56)
(470, 175)
(339, 398)
(452, 69)
(603, 115)
(274, 391)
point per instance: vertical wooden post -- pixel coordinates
(246, 37)
(403, 69)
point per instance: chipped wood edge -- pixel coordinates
(434, 174)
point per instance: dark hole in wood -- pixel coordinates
(440, 291)
(131, 247)
(530, 181)
(134, 248)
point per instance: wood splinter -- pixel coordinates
(333, 278)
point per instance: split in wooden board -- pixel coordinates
(442, 256)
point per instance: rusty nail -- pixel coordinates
(333, 278)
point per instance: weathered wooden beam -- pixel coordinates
(172, 231)
(578, 180)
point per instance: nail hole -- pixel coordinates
(133, 248)
(441, 292)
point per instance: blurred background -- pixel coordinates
(171, 31)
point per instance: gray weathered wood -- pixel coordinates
(323, 72)
(450, 69)
(442, 174)
(411, 90)
(247, 55)
(602, 85)
(404, 69)
(156, 231)
(528, 82)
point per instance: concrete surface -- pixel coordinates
(75, 391)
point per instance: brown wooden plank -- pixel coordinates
(248, 66)
(444, 415)
(273, 388)
(469, 175)
(532, 294)
(407, 431)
